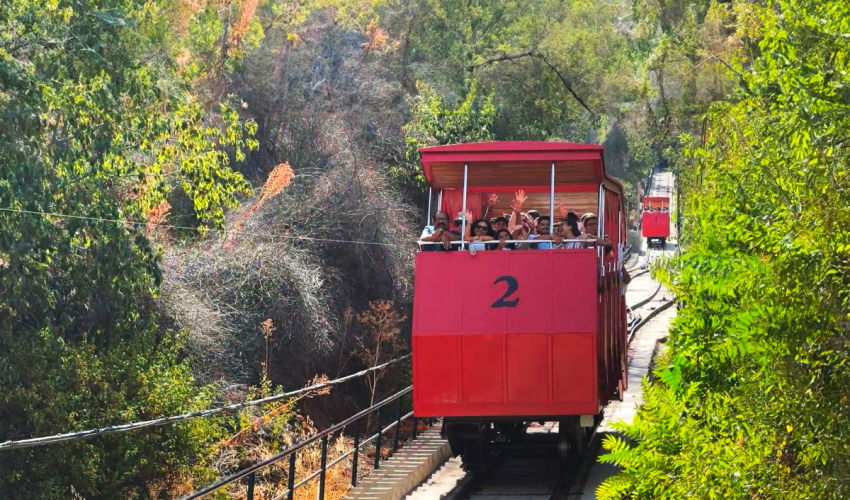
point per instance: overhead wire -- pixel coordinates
(114, 429)
(190, 228)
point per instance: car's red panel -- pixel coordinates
(655, 224)
(536, 357)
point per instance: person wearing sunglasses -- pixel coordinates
(477, 233)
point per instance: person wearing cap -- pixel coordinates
(457, 222)
(499, 223)
(590, 236)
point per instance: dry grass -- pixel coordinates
(258, 441)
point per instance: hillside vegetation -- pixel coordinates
(752, 399)
(207, 201)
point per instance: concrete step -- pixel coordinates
(402, 472)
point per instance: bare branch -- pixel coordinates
(567, 84)
(504, 57)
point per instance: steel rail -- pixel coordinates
(655, 312)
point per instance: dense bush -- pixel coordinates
(753, 402)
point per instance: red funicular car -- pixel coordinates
(501, 339)
(655, 220)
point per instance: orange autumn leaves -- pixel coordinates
(279, 178)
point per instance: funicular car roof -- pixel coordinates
(505, 166)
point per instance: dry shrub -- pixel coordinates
(272, 481)
(356, 251)
(279, 178)
(379, 340)
(222, 297)
(337, 238)
(269, 433)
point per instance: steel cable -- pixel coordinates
(71, 436)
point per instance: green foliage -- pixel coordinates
(436, 123)
(752, 402)
(95, 125)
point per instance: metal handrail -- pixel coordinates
(250, 472)
(342, 457)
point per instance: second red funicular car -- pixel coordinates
(501, 339)
(655, 220)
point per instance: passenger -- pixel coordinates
(519, 225)
(568, 230)
(589, 237)
(456, 224)
(439, 231)
(499, 223)
(528, 223)
(503, 235)
(570, 216)
(478, 233)
(542, 234)
(533, 220)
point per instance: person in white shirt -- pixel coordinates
(439, 231)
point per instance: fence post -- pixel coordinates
(251, 478)
(397, 425)
(324, 465)
(415, 427)
(291, 486)
(378, 439)
(356, 453)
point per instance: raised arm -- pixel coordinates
(516, 204)
(467, 215)
(489, 206)
(563, 210)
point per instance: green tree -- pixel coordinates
(437, 123)
(96, 129)
(752, 402)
